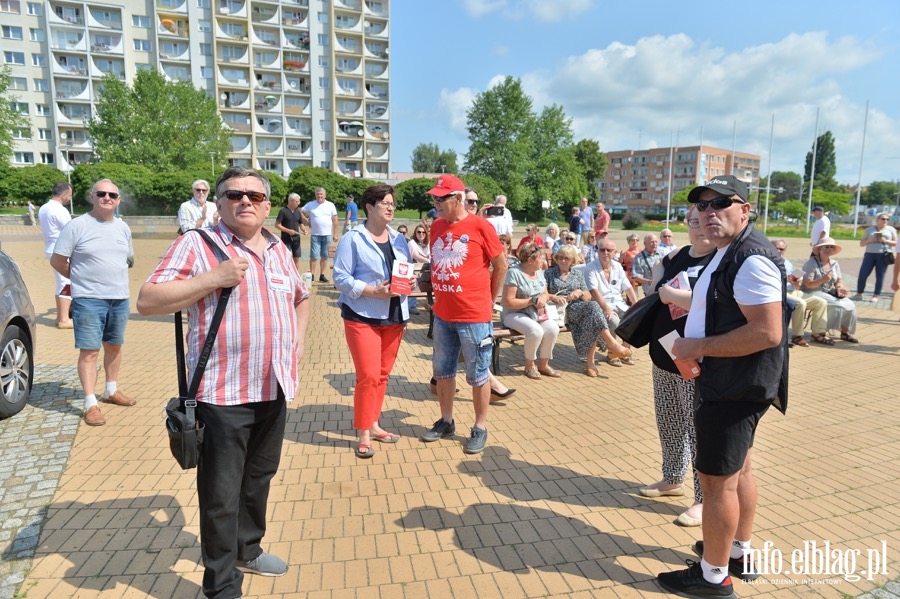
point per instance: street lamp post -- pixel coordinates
(212, 164)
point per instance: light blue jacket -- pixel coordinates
(358, 262)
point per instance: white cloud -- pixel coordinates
(456, 103)
(541, 10)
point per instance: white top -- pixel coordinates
(320, 217)
(821, 225)
(419, 253)
(189, 213)
(502, 224)
(758, 282)
(53, 216)
(98, 254)
(610, 290)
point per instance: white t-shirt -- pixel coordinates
(758, 282)
(53, 216)
(821, 225)
(320, 217)
(502, 224)
(98, 254)
(611, 290)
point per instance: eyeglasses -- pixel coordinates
(236, 195)
(719, 203)
(883, 218)
(693, 223)
(200, 190)
(102, 194)
(827, 247)
(420, 232)
(441, 200)
(390, 205)
(605, 250)
(781, 249)
(472, 202)
(664, 236)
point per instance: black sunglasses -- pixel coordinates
(236, 195)
(719, 203)
(472, 202)
(102, 194)
(441, 200)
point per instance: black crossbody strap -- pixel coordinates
(190, 393)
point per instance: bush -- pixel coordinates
(632, 220)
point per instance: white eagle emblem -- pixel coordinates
(447, 256)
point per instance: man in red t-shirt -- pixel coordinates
(468, 266)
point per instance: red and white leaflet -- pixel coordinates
(401, 277)
(680, 281)
(688, 369)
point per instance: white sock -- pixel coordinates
(110, 388)
(89, 402)
(713, 574)
(739, 549)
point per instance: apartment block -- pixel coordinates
(299, 82)
(640, 179)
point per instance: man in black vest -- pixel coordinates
(737, 330)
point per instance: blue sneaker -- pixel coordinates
(477, 441)
(265, 565)
(440, 430)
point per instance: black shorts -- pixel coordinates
(294, 244)
(725, 432)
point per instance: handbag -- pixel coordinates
(184, 430)
(636, 325)
(888, 256)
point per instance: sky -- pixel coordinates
(636, 75)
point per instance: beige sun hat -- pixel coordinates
(828, 241)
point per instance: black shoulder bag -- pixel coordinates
(185, 431)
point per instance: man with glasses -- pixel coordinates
(94, 252)
(801, 303)
(666, 245)
(610, 288)
(736, 330)
(468, 266)
(197, 212)
(323, 219)
(251, 373)
(642, 267)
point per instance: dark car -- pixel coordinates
(17, 344)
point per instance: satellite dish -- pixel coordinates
(360, 133)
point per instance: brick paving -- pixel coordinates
(550, 508)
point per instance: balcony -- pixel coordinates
(172, 28)
(66, 65)
(297, 40)
(351, 4)
(234, 100)
(377, 133)
(264, 14)
(110, 47)
(64, 15)
(179, 6)
(294, 66)
(294, 18)
(376, 9)
(269, 85)
(104, 21)
(72, 92)
(234, 8)
(297, 86)
(240, 144)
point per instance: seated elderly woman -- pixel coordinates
(551, 236)
(822, 278)
(584, 317)
(525, 302)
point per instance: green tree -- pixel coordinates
(881, 193)
(826, 164)
(793, 209)
(9, 119)
(136, 183)
(500, 123)
(593, 162)
(556, 174)
(429, 158)
(305, 179)
(159, 124)
(412, 194)
(30, 183)
(787, 181)
(486, 188)
(838, 202)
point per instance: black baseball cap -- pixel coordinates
(727, 185)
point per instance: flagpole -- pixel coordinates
(769, 176)
(812, 170)
(862, 153)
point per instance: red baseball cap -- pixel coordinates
(446, 184)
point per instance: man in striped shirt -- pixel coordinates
(251, 373)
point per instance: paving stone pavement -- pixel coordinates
(549, 510)
(35, 448)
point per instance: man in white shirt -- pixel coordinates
(666, 245)
(197, 212)
(53, 216)
(322, 215)
(503, 224)
(822, 226)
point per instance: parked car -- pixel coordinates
(17, 343)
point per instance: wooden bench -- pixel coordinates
(502, 333)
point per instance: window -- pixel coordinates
(204, 26)
(35, 9)
(206, 49)
(325, 104)
(37, 35)
(142, 66)
(41, 85)
(20, 107)
(14, 58)
(10, 32)
(13, 6)
(42, 110)
(324, 62)
(323, 39)
(46, 158)
(322, 17)
(232, 52)
(325, 145)
(325, 125)
(19, 83)
(204, 4)
(39, 60)
(324, 82)
(21, 133)
(142, 21)
(142, 45)
(206, 72)
(325, 164)
(23, 158)
(45, 134)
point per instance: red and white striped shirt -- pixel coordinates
(256, 347)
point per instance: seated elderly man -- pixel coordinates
(610, 287)
(816, 305)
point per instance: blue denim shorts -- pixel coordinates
(318, 246)
(99, 321)
(474, 339)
